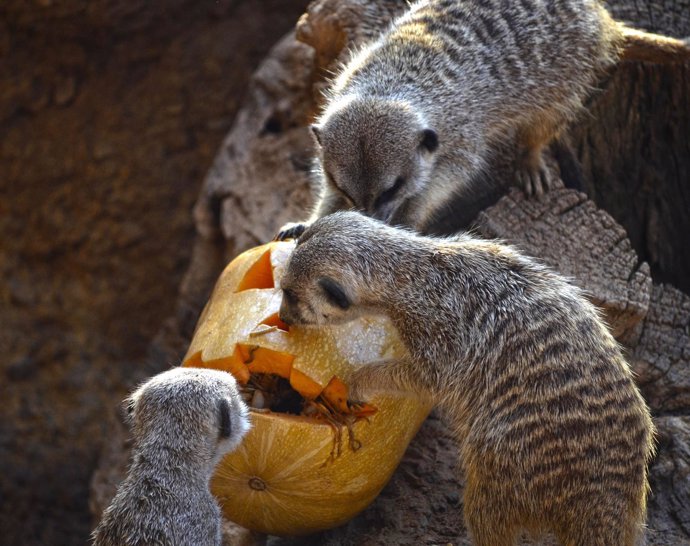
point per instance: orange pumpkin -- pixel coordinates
(284, 479)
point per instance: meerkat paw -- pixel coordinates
(291, 230)
(358, 386)
(537, 179)
(372, 378)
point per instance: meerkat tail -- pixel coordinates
(639, 45)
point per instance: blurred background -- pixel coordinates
(110, 114)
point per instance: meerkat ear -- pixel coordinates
(429, 140)
(316, 131)
(225, 418)
(127, 410)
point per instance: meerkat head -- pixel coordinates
(376, 153)
(194, 411)
(334, 274)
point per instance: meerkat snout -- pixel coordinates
(326, 302)
(183, 422)
(287, 313)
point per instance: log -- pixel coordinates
(662, 357)
(668, 515)
(632, 147)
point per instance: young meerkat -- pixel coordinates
(409, 121)
(553, 434)
(183, 421)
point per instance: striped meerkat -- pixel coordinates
(553, 434)
(409, 120)
(183, 422)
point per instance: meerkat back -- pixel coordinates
(411, 118)
(183, 421)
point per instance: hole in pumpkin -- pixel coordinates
(259, 275)
(268, 392)
(269, 383)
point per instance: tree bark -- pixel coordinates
(568, 232)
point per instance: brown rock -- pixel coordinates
(114, 460)
(110, 114)
(258, 180)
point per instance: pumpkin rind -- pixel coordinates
(282, 480)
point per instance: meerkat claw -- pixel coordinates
(537, 180)
(290, 231)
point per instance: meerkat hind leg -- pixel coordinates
(532, 174)
(487, 520)
(595, 532)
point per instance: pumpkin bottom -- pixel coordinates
(287, 477)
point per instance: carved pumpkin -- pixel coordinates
(284, 479)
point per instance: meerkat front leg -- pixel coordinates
(531, 173)
(386, 375)
(329, 202)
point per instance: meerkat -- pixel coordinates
(409, 121)
(183, 421)
(553, 433)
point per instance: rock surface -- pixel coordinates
(110, 115)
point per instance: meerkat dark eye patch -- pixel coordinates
(225, 420)
(388, 194)
(334, 292)
(331, 180)
(290, 296)
(429, 140)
